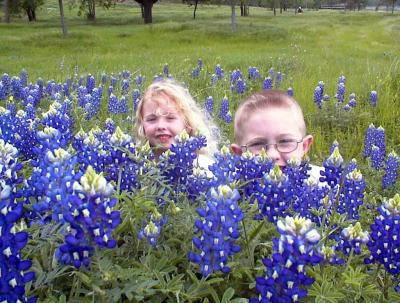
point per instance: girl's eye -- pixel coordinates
(171, 117)
(150, 119)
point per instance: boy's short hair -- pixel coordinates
(263, 100)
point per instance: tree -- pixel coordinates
(6, 6)
(233, 14)
(147, 8)
(88, 7)
(28, 6)
(244, 8)
(63, 24)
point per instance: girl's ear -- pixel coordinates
(307, 141)
(236, 149)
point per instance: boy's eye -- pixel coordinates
(284, 142)
(150, 119)
(171, 117)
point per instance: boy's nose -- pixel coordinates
(273, 153)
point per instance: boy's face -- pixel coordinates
(268, 127)
(162, 121)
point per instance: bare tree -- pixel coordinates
(233, 15)
(6, 5)
(63, 24)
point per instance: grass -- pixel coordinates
(316, 45)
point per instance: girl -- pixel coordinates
(166, 109)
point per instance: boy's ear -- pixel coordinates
(236, 149)
(307, 141)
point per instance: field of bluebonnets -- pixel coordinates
(87, 215)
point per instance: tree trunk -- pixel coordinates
(6, 11)
(91, 15)
(233, 15)
(393, 2)
(142, 9)
(195, 8)
(148, 5)
(280, 6)
(31, 14)
(241, 9)
(63, 24)
(273, 7)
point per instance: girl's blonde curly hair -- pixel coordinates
(195, 118)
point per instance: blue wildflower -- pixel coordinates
(219, 230)
(391, 170)
(286, 278)
(373, 98)
(352, 238)
(267, 84)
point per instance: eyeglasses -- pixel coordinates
(282, 146)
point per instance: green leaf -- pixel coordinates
(228, 294)
(325, 293)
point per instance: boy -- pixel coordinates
(274, 121)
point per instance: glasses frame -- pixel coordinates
(246, 148)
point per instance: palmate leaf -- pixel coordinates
(325, 292)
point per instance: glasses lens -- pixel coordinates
(286, 146)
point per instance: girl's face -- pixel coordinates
(162, 121)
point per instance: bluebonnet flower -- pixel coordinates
(352, 238)
(119, 166)
(325, 98)
(200, 63)
(16, 87)
(251, 169)
(369, 140)
(347, 107)
(13, 270)
(90, 83)
(3, 93)
(90, 150)
(253, 73)
(271, 72)
(135, 98)
(330, 254)
(110, 90)
(110, 125)
(195, 73)
(275, 194)
(290, 92)
(224, 109)
(335, 144)
(151, 231)
(103, 78)
(176, 164)
(373, 98)
(352, 165)
(380, 140)
(286, 278)
(214, 80)
(5, 81)
(166, 69)
(219, 230)
(240, 86)
(59, 116)
(236, 75)
(209, 106)
(113, 103)
(352, 100)
(219, 72)
(139, 81)
(318, 96)
(224, 168)
(352, 194)
(267, 84)
(385, 241)
(113, 81)
(321, 85)
(125, 86)
(123, 105)
(24, 78)
(376, 157)
(90, 218)
(278, 79)
(80, 81)
(333, 169)
(391, 170)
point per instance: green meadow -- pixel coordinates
(310, 47)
